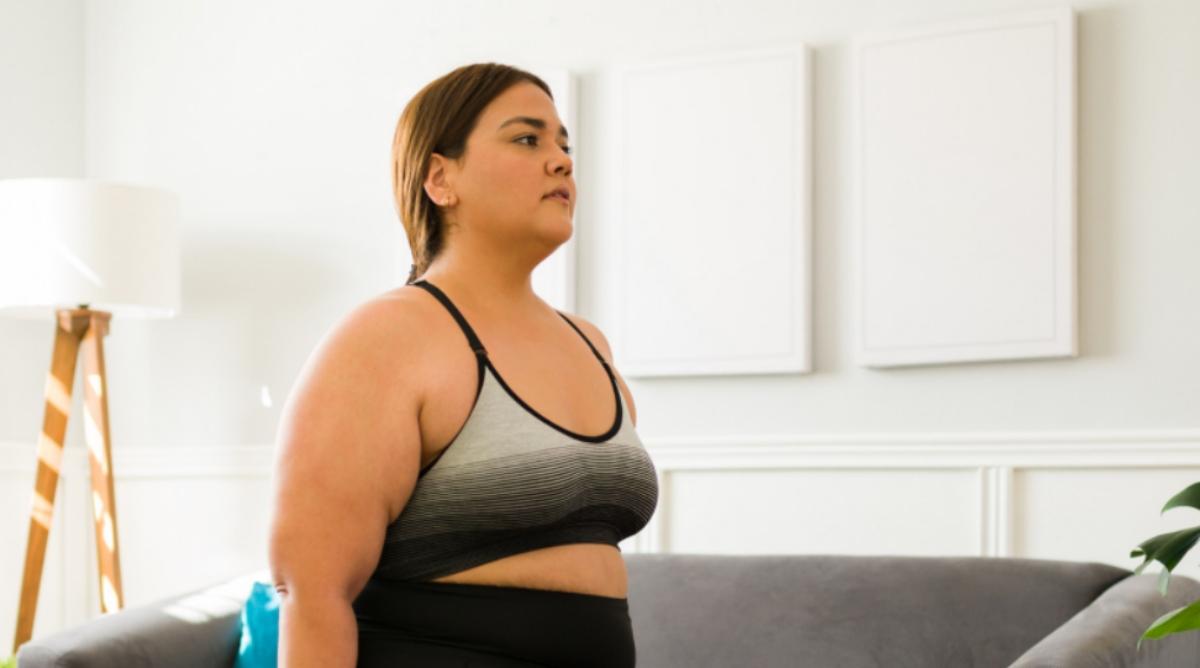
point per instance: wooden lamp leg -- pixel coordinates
(57, 408)
(104, 509)
(71, 327)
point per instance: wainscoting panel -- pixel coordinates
(1081, 496)
(186, 518)
(833, 511)
(211, 529)
(1099, 513)
(16, 486)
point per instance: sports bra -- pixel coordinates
(512, 480)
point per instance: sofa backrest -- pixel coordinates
(707, 610)
(850, 611)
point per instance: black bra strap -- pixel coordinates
(585, 338)
(476, 345)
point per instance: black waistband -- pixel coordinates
(538, 626)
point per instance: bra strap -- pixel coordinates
(585, 338)
(476, 344)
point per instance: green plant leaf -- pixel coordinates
(1189, 497)
(1163, 578)
(1151, 545)
(1168, 548)
(1186, 618)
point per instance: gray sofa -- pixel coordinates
(692, 611)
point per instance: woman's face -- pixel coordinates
(516, 154)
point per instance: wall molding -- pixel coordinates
(1031, 449)
(994, 457)
(933, 449)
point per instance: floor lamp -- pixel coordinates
(80, 252)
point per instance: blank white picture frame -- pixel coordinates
(714, 181)
(555, 279)
(965, 191)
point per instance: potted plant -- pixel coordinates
(1169, 549)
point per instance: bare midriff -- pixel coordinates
(585, 568)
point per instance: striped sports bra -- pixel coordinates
(512, 480)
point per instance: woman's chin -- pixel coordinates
(560, 228)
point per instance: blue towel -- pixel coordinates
(260, 629)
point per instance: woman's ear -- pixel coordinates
(438, 186)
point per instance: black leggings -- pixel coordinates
(444, 624)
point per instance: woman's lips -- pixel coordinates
(558, 197)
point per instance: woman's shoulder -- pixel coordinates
(401, 312)
(593, 333)
(384, 333)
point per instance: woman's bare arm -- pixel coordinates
(346, 460)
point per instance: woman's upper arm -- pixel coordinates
(347, 453)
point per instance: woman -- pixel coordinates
(429, 509)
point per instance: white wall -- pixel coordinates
(41, 134)
(273, 122)
(42, 70)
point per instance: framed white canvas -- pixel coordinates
(965, 208)
(714, 182)
(555, 279)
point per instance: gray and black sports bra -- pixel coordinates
(512, 480)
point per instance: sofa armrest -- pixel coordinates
(200, 629)
(1105, 632)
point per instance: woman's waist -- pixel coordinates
(594, 569)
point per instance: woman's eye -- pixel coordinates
(566, 149)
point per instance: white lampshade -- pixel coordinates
(68, 242)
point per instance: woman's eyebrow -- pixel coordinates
(535, 122)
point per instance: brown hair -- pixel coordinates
(438, 119)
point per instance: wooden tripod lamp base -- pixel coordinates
(74, 329)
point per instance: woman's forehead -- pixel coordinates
(522, 101)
